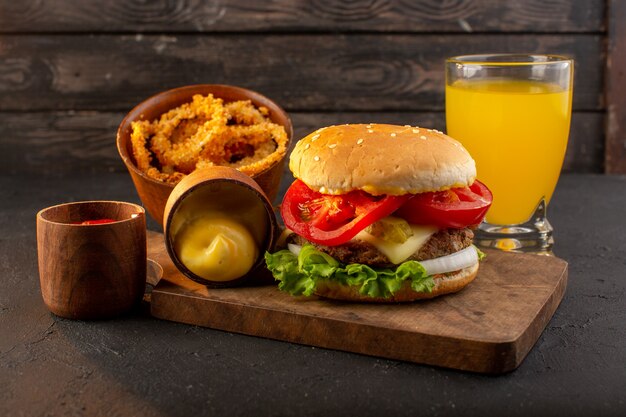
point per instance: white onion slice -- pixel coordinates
(454, 262)
(293, 248)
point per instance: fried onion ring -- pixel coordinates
(207, 132)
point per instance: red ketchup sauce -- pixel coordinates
(96, 221)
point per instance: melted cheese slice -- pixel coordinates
(399, 252)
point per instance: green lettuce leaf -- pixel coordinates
(481, 254)
(299, 275)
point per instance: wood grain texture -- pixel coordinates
(488, 327)
(74, 143)
(94, 271)
(301, 72)
(615, 159)
(302, 15)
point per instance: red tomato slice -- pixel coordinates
(333, 219)
(455, 208)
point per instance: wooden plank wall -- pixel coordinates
(615, 153)
(70, 69)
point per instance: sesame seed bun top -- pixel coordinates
(381, 159)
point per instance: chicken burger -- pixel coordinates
(379, 213)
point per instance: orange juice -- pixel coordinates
(517, 133)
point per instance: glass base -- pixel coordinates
(534, 236)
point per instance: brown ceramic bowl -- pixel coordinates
(154, 193)
(91, 271)
(228, 192)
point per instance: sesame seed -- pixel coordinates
(314, 138)
(317, 158)
(407, 125)
(368, 126)
(393, 135)
(416, 130)
(360, 141)
(423, 137)
(429, 130)
(332, 146)
(370, 131)
(308, 145)
(323, 190)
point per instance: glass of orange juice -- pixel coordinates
(512, 113)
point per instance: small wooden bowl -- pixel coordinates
(228, 191)
(154, 193)
(91, 271)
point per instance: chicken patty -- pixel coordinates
(442, 243)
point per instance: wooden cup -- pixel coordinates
(154, 193)
(231, 192)
(91, 271)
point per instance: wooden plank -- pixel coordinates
(615, 158)
(65, 143)
(301, 72)
(56, 144)
(296, 16)
(490, 326)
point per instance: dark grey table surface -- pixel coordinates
(138, 365)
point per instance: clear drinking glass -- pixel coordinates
(512, 113)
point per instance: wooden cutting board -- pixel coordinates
(490, 326)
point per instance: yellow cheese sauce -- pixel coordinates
(215, 247)
(217, 232)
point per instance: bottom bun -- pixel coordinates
(444, 284)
